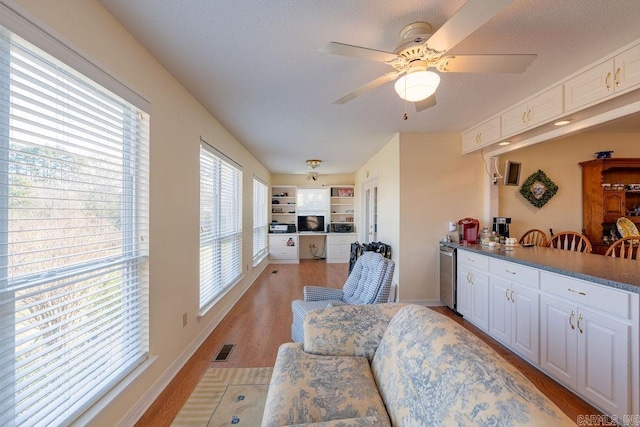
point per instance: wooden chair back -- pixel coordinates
(570, 241)
(627, 247)
(535, 236)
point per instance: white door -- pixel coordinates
(369, 231)
(603, 358)
(559, 340)
(525, 334)
(480, 300)
(500, 310)
(464, 291)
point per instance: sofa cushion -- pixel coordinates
(307, 388)
(432, 371)
(347, 330)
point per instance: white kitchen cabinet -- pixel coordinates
(614, 76)
(538, 110)
(514, 317)
(473, 288)
(588, 351)
(482, 135)
(339, 247)
(283, 248)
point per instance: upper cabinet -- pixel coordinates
(615, 76)
(538, 110)
(482, 135)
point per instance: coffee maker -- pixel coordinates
(501, 225)
(468, 230)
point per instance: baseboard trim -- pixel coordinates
(139, 409)
(424, 302)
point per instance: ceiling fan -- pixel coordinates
(420, 50)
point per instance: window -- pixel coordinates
(220, 224)
(73, 237)
(259, 220)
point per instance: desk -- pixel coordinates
(285, 248)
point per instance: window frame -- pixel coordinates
(220, 225)
(260, 220)
(131, 266)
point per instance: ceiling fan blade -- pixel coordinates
(471, 16)
(367, 87)
(358, 52)
(426, 103)
(487, 63)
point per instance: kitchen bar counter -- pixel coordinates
(613, 272)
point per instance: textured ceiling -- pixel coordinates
(255, 65)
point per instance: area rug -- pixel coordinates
(226, 397)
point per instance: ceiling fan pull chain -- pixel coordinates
(405, 116)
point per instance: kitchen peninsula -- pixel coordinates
(574, 316)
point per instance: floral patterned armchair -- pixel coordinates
(368, 283)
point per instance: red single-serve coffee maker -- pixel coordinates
(468, 230)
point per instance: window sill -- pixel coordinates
(87, 417)
(204, 310)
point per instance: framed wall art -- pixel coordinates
(538, 189)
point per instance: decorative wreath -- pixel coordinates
(538, 189)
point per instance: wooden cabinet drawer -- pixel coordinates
(514, 273)
(603, 298)
(471, 259)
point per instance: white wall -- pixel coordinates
(437, 185)
(177, 123)
(385, 165)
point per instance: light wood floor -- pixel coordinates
(261, 321)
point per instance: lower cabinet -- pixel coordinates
(339, 247)
(473, 288)
(283, 248)
(588, 352)
(514, 317)
(583, 334)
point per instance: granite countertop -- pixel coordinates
(608, 271)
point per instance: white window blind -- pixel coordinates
(220, 225)
(73, 238)
(260, 219)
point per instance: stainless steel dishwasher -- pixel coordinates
(448, 286)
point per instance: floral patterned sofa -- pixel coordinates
(401, 365)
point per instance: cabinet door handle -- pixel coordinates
(606, 81)
(580, 327)
(511, 295)
(616, 77)
(570, 320)
(506, 294)
(529, 115)
(524, 117)
(577, 292)
(510, 272)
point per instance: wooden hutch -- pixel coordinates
(607, 196)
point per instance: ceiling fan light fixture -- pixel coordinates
(417, 85)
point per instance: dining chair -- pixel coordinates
(570, 241)
(627, 247)
(535, 236)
